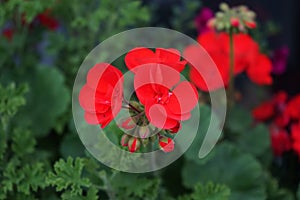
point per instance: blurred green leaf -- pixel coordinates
(239, 171)
(48, 99)
(208, 191)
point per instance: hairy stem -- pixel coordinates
(231, 70)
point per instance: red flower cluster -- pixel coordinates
(156, 82)
(247, 58)
(164, 100)
(284, 116)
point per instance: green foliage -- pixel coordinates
(12, 98)
(276, 193)
(251, 139)
(143, 188)
(227, 166)
(208, 191)
(67, 175)
(47, 87)
(23, 174)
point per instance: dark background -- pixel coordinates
(285, 14)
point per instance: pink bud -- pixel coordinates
(133, 144)
(250, 24)
(127, 123)
(124, 140)
(234, 22)
(166, 144)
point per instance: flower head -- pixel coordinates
(247, 58)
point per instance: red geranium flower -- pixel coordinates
(101, 96)
(293, 108)
(141, 56)
(246, 58)
(281, 141)
(295, 132)
(264, 111)
(47, 20)
(8, 33)
(166, 101)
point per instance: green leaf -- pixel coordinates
(238, 120)
(132, 186)
(255, 140)
(26, 179)
(276, 193)
(12, 98)
(23, 142)
(208, 191)
(34, 178)
(47, 100)
(193, 151)
(68, 175)
(239, 171)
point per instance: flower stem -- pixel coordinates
(231, 70)
(131, 106)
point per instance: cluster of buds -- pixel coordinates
(236, 19)
(139, 132)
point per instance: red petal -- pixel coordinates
(156, 114)
(187, 97)
(260, 70)
(137, 57)
(91, 103)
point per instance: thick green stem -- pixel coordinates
(231, 70)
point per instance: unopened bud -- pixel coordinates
(124, 140)
(234, 22)
(166, 144)
(250, 24)
(144, 132)
(224, 6)
(133, 144)
(127, 123)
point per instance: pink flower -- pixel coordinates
(279, 60)
(202, 19)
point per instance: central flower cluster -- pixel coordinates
(165, 100)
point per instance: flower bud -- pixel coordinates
(144, 132)
(250, 24)
(166, 144)
(127, 123)
(133, 144)
(234, 22)
(224, 6)
(124, 140)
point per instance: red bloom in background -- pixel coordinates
(247, 58)
(293, 108)
(141, 56)
(8, 33)
(47, 20)
(259, 70)
(264, 111)
(166, 101)
(101, 96)
(295, 131)
(280, 140)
